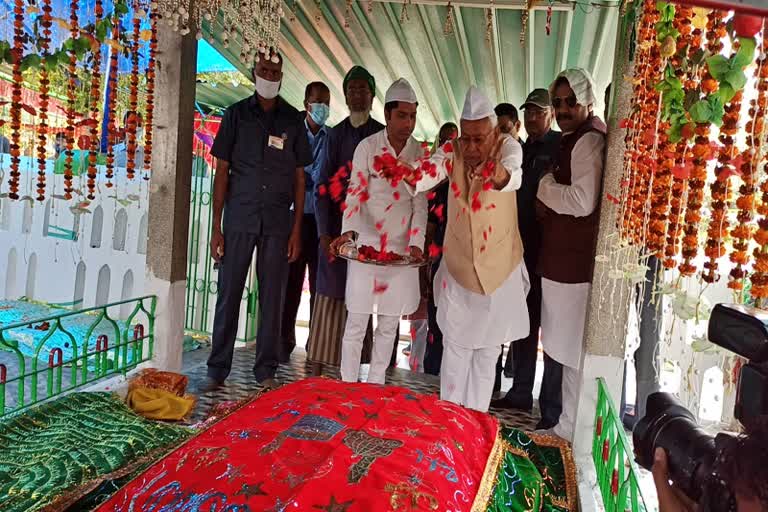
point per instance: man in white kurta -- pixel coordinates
(568, 197)
(384, 217)
(481, 285)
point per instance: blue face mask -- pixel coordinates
(319, 113)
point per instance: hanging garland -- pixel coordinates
(71, 90)
(133, 97)
(112, 132)
(95, 100)
(46, 21)
(18, 50)
(702, 151)
(148, 122)
(759, 278)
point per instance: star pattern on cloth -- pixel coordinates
(335, 506)
(251, 490)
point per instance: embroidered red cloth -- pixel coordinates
(321, 444)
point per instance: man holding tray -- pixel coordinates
(382, 214)
(481, 285)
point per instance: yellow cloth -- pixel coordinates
(158, 404)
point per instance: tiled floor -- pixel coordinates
(241, 384)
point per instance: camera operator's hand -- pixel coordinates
(671, 499)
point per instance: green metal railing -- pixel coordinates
(613, 458)
(202, 285)
(116, 351)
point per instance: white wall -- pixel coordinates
(56, 272)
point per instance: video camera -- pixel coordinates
(693, 453)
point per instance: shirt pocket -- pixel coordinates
(280, 161)
(249, 143)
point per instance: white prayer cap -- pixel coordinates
(400, 90)
(582, 84)
(476, 105)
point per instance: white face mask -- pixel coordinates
(266, 89)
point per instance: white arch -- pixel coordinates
(77, 298)
(47, 218)
(26, 220)
(10, 275)
(31, 277)
(127, 293)
(5, 214)
(102, 286)
(97, 226)
(121, 229)
(143, 230)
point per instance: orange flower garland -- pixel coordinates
(677, 206)
(71, 89)
(46, 21)
(18, 49)
(759, 277)
(95, 99)
(720, 191)
(641, 166)
(701, 153)
(133, 97)
(149, 118)
(112, 132)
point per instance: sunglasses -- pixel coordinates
(571, 101)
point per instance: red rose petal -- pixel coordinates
(379, 287)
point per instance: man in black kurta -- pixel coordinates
(262, 149)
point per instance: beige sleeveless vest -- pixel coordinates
(481, 248)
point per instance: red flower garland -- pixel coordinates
(148, 122)
(71, 89)
(701, 153)
(95, 100)
(46, 21)
(17, 51)
(759, 277)
(133, 97)
(112, 132)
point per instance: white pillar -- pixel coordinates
(169, 192)
(610, 299)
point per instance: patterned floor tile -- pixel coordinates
(241, 384)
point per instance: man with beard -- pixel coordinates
(261, 150)
(539, 154)
(330, 313)
(481, 285)
(568, 197)
(388, 218)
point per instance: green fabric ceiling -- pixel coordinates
(440, 67)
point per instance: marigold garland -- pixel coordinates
(71, 90)
(638, 162)
(149, 118)
(701, 153)
(95, 100)
(132, 123)
(759, 278)
(46, 20)
(677, 204)
(18, 50)
(112, 132)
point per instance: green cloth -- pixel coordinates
(533, 476)
(63, 449)
(360, 73)
(79, 161)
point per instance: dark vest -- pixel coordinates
(567, 242)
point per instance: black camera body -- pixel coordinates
(692, 452)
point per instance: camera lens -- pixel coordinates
(691, 451)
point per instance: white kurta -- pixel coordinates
(469, 319)
(402, 218)
(564, 306)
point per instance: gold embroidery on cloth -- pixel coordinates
(488, 482)
(569, 466)
(403, 493)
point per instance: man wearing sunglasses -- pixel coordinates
(568, 197)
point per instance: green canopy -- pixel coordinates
(480, 50)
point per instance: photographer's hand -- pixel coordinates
(671, 499)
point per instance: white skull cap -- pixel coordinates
(581, 82)
(400, 90)
(476, 105)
